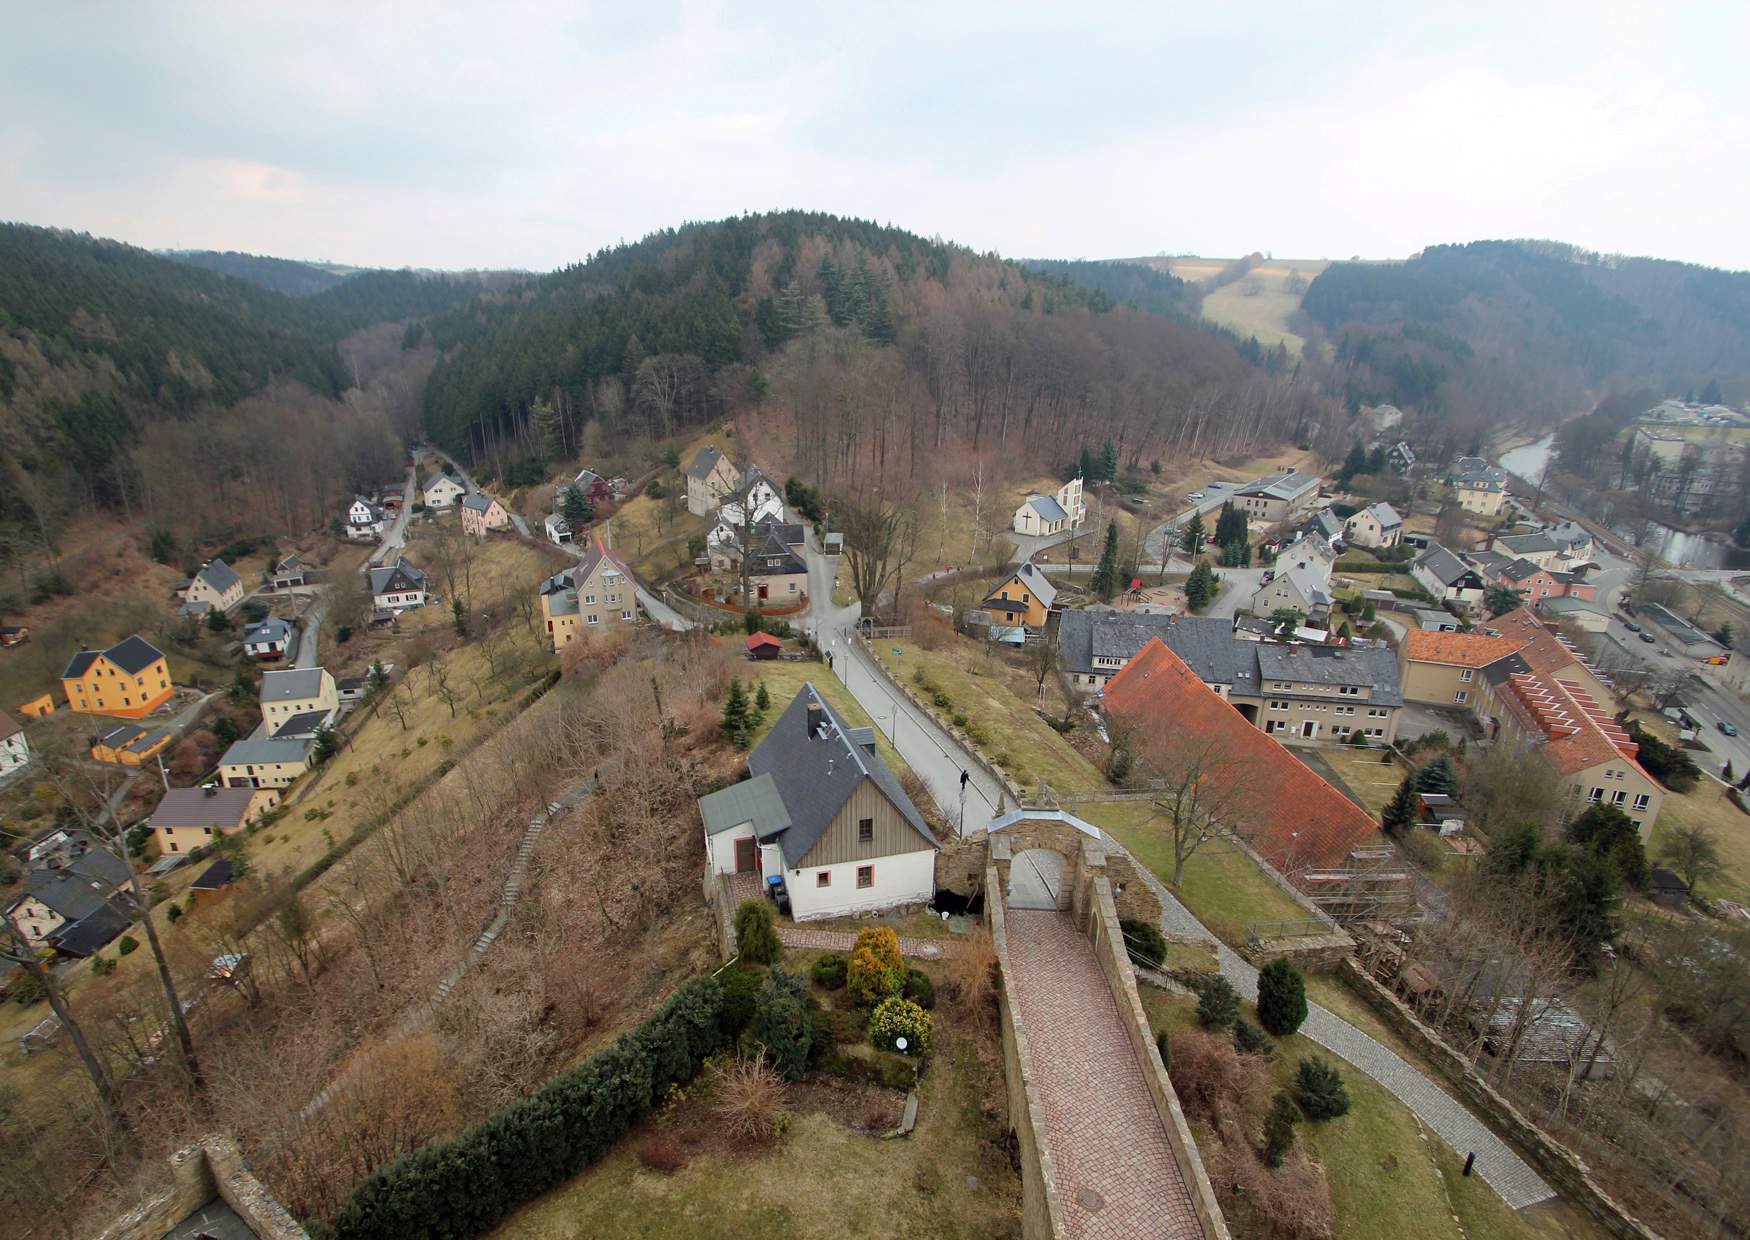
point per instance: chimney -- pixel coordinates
(210, 791)
(816, 719)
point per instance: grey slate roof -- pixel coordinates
(1446, 567)
(815, 776)
(1287, 486)
(1489, 561)
(304, 724)
(93, 931)
(219, 575)
(1375, 667)
(1569, 534)
(1047, 507)
(398, 577)
(272, 629)
(1525, 544)
(1037, 582)
(1324, 523)
(262, 751)
(775, 560)
(291, 684)
(1205, 643)
(1519, 570)
(479, 501)
(203, 807)
(704, 462)
(133, 654)
(1476, 474)
(1387, 516)
(753, 800)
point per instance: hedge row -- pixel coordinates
(467, 1185)
(1366, 566)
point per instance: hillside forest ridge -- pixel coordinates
(624, 747)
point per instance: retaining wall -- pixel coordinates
(1565, 1170)
(211, 1169)
(1041, 1209)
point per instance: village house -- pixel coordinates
(1025, 597)
(264, 762)
(1324, 524)
(128, 744)
(558, 530)
(365, 521)
(1284, 497)
(268, 640)
(762, 498)
(711, 478)
(723, 541)
(1573, 544)
(397, 587)
(1583, 614)
(1375, 527)
(1040, 515)
(14, 745)
(482, 513)
(191, 818)
(290, 572)
(303, 697)
(1444, 669)
(1292, 818)
(776, 574)
(216, 587)
(822, 810)
(73, 899)
(594, 595)
(1479, 487)
(1534, 583)
(1401, 457)
(130, 679)
(442, 491)
(1448, 578)
(1300, 588)
(594, 489)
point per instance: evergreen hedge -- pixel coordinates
(468, 1184)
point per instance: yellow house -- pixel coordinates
(1025, 597)
(130, 679)
(597, 594)
(191, 818)
(128, 744)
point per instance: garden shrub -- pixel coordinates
(899, 1017)
(1164, 1044)
(1281, 997)
(1213, 1080)
(1279, 1127)
(1318, 1088)
(1251, 1040)
(1218, 1006)
(741, 991)
(942, 700)
(756, 937)
(919, 989)
(750, 1097)
(876, 969)
(128, 945)
(467, 1184)
(1146, 945)
(781, 1027)
(829, 971)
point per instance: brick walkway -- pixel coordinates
(842, 941)
(1116, 1176)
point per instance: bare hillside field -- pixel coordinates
(1257, 305)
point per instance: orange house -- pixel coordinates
(130, 679)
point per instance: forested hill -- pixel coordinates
(1127, 283)
(868, 336)
(1513, 329)
(280, 275)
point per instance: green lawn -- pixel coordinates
(982, 686)
(784, 681)
(1223, 886)
(1707, 806)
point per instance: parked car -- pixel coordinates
(1716, 660)
(1648, 638)
(1217, 486)
(1729, 729)
(1195, 495)
(1631, 626)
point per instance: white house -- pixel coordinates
(442, 491)
(764, 499)
(1448, 578)
(296, 701)
(364, 520)
(14, 748)
(397, 587)
(1378, 526)
(1052, 514)
(824, 812)
(267, 640)
(558, 529)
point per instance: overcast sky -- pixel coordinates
(530, 134)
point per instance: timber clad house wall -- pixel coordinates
(130, 679)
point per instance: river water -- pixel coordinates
(1675, 547)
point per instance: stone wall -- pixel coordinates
(1319, 953)
(960, 864)
(213, 1168)
(1041, 1209)
(1097, 916)
(1565, 1170)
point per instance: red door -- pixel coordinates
(746, 856)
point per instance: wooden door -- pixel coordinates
(746, 855)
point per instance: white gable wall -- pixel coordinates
(903, 878)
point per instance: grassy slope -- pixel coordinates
(1707, 806)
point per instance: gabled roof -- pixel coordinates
(704, 462)
(753, 800)
(1525, 544)
(1569, 534)
(293, 563)
(1446, 567)
(557, 524)
(8, 726)
(1289, 486)
(292, 684)
(305, 723)
(1473, 473)
(1299, 820)
(1309, 583)
(592, 559)
(1038, 582)
(815, 775)
(215, 876)
(93, 931)
(133, 655)
(1519, 570)
(479, 501)
(1374, 666)
(262, 751)
(1456, 649)
(1386, 515)
(203, 807)
(374, 513)
(775, 559)
(398, 577)
(1324, 523)
(1047, 507)
(218, 575)
(272, 629)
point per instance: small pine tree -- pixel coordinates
(1279, 1127)
(1438, 777)
(1164, 1044)
(756, 937)
(1318, 1088)
(1105, 579)
(1404, 809)
(781, 1028)
(1192, 538)
(327, 744)
(762, 699)
(459, 617)
(1281, 997)
(1217, 1004)
(734, 710)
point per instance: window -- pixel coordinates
(1349, 690)
(1642, 800)
(865, 830)
(1274, 705)
(589, 598)
(1464, 677)
(865, 877)
(1593, 795)
(625, 615)
(594, 619)
(1618, 797)
(1461, 697)
(823, 878)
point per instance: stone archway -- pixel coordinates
(1038, 880)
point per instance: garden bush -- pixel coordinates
(1318, 1088)
(750, 1097)
(1279, 1127)
(781, 1027)
(467, 1184)
(829, 971)
(756, 937)
(1218, 1006)
(1281, 997)
(127, 946)
(876, 969)
(919, 989)
(1144, 942)
(899, 1017)
(741, 991)
(1251, 1040)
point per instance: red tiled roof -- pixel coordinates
(1457, 649)
(762, 639)
(1581, 733)
(1299, 820)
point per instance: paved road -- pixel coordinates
(654, 607)
(1155, 542)
(516, 518)
(1116, 1174)
(396, 535)
(310, 632)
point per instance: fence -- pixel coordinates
(1260, 932)
(887, 631)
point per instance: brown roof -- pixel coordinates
(1304, 821)
(1457, 649)
(8, 726)
(1580, 733)
(203, 807)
